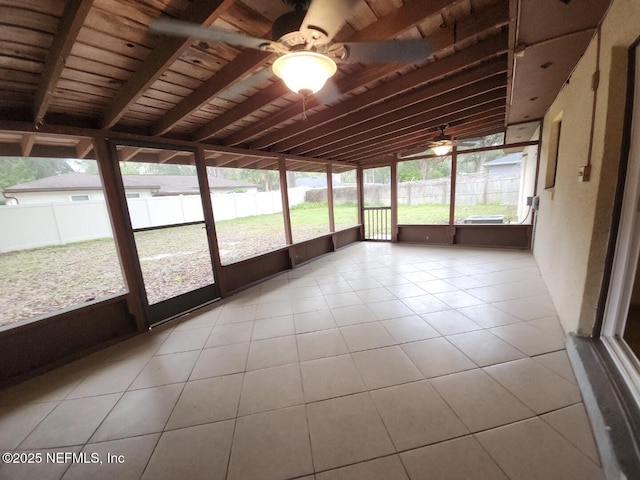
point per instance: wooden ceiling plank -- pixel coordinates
(315, 138)
(465, 59)
(245, 63)
(416, 140)
(69, 26)
(404, 18)
(167, 51)
(463, 109)
(127, 153)
(432, 107)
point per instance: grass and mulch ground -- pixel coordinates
(174, 260)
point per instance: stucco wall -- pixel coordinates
(574, 220)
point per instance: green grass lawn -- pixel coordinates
(38, 281)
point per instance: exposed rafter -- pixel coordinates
(167, 51)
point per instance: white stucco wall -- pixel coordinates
(574, 220)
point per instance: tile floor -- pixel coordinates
(379, 361)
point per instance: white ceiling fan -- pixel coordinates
(303, 40)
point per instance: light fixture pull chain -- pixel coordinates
(304, 108)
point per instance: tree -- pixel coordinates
(15, 170)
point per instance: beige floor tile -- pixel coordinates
(528, 339)
(385, 468)
(221, 361)
(484, 348)
(305, 304)
(345, 316)
(458, 299)
(527, 308)
(343, 299)
(488, 316)
(366, 336)
(275, 309)
(573, 424)
(491, 294)
(273, 327)
(405, 290)
(366, 283)
(532, 450)
(233, 314)
(207, 400)
(206, 317)
(330, 377)
(550, 325)
(324, 343)
(559, 363)
(139, 412)
(271, 446)
(535, 385)
(387, 279)
(230, 334)
(200, 452)
(479, 401)
(409, 329)
(272, 352)
(185, 340)
(346, 430)
(48, 387)
(130, 458)
(17, 421)
(72, 422)
(166, 369)
(437, 286)
(450, 322)
(313, 321)
(392, 309)
(335, 288)
(436, 356)
(39, 471)
(373, 295)
(109, 378)
(271, 388)
(415, 415)
(383, 367)
(460, 459)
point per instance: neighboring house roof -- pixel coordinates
(161, 184)
(511, 159)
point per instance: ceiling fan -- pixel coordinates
(303, 40)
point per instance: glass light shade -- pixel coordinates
(304, 72)
(442, 149)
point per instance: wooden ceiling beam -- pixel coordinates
(403, 19)
(165, 155)
(462, 60)
(127, 153)
(457, 112)
(324, 135)
(418, 137)
(26, 144)
(83, 148)
(247, 62)
(432, 109)
(73, 17)
(166, 52)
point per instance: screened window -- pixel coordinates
(345, 199)
(308, 206)
(424, 191)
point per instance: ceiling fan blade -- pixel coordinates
(179, 28)
(325, 18)
(329, 93)
(405, 51)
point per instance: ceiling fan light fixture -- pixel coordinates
(304, 71)
(441, 150)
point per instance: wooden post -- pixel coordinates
(286, 214)
(394, 201)
(122, 230)
(360, 195)
(452, 197)
(207, 208)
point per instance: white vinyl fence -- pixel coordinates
(31, 226)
